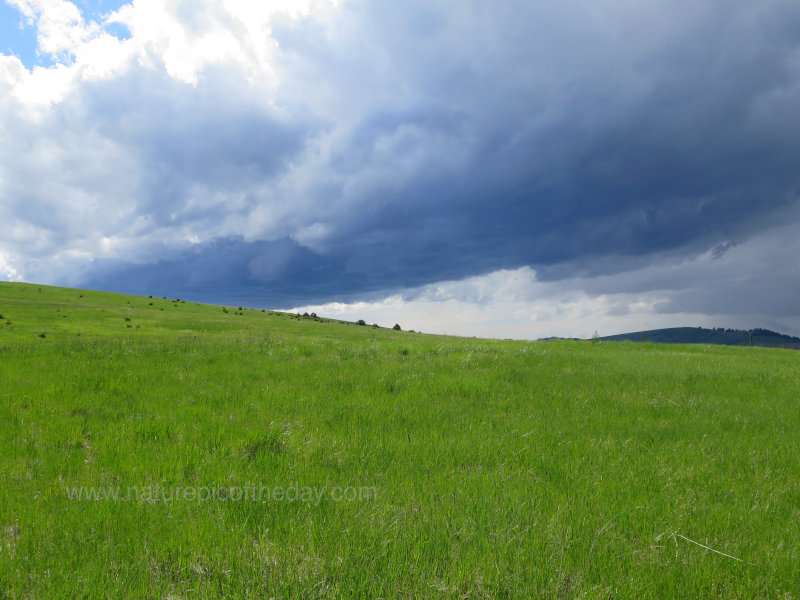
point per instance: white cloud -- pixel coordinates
(80, 51)
(183, 38)
(12, 71)
(7, 270)
(60, 25)
(42, 87)
(508, 304)
(574, 314)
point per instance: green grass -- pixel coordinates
(481, 469)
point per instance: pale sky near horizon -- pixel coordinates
(504, 169)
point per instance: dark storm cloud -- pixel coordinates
(577, 133)
(280, 273)
(409, 143)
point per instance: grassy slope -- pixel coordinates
(501, 469)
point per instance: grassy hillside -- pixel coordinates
(160, 449)
(699, 335)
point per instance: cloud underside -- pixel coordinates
(315, 153)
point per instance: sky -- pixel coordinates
(508, 169)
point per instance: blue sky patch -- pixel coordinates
(96, 10)
(119, 31)
(18, 38)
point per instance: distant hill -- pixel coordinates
(699, 335)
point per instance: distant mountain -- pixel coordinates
(699, 335)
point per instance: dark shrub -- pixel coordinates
(361, 322)
(396, 327)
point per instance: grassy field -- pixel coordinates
(258, 455)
